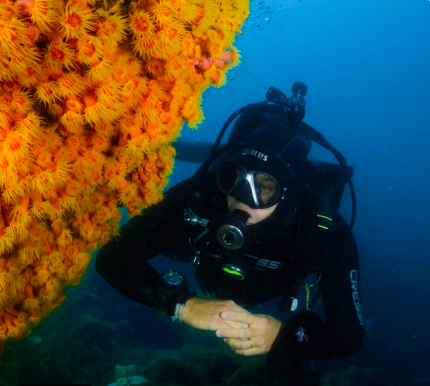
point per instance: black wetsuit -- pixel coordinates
(275, 266)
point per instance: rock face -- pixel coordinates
(129, 375)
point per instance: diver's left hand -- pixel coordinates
(256, 339)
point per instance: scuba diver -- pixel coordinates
(256, 221)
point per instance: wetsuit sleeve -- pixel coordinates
(123, 261)
(304, 336)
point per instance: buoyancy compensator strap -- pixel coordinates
(328, 181)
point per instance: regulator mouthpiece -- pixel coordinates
(233, 232)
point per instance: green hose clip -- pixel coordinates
(308, 291)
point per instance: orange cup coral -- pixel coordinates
(92, 94)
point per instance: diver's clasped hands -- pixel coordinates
(205, 314)
(247, 334)
(254, 340)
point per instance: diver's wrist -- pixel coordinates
(180, 305)
(188, 306)
(178, 312)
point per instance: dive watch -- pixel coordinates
(171, 289)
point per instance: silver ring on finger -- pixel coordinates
(251, 343)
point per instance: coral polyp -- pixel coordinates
(92, 95)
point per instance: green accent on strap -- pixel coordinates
(308, 293)
(327, 218)
(233, 272)
(322, 226)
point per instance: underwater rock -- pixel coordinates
(352, 376)
(94, 332)
(173, 372)
(126, 332)
(34, 339)
(214, 365)
(9, 370)
(84, 299)
(256, 373)
(127, 371)
(138, 380)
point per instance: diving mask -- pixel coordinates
(256, 189)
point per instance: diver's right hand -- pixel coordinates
(205, 314)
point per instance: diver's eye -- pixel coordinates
(266, 192)
(264, 189)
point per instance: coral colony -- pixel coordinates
(92, 94)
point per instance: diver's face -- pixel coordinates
(256, 215)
